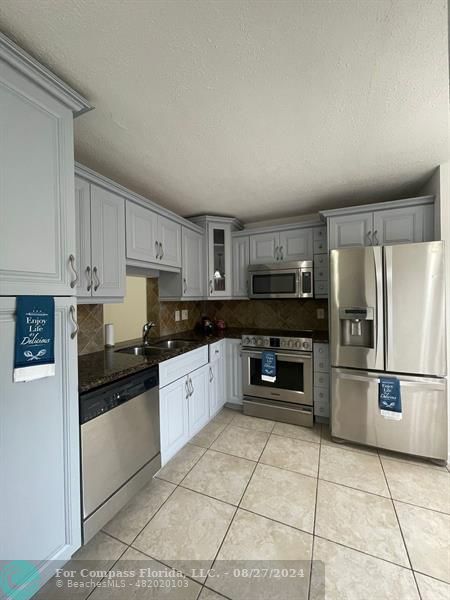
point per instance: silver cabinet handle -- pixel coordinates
(191, 385)
(211, 289)
(276, 253)
(184, 285)
(211, 375)
(186, 385)
(161, 251)
(73, 283)
(375, 239)
(89, 278)
(74, 321)
(97, 279)
(157, 249)
(369, 238)
(281, 253)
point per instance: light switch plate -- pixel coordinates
(321, 313)
(177, 315)
(184, 315)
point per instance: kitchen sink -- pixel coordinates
(142, 351)
(170, 344)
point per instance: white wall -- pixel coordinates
(129, 317)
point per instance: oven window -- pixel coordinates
(274, 283)
(290, 375)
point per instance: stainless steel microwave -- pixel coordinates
(281, 280)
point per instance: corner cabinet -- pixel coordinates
(190, 282)
(399, 222)
(100, 222)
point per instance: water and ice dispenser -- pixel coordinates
(357, 326)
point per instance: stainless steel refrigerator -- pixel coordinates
(387, 319)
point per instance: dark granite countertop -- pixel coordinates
(108, 365)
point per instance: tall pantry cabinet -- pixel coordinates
(39, 431)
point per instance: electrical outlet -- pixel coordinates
(177, 315)
(321, 313)
(184, 315)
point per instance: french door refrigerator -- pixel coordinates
(387, 319)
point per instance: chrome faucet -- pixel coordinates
(146, 332)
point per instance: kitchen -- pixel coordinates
(227, 376)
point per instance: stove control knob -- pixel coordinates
(259, 342)
(253, 341)
(247, 341)
(297, 344)
(290, 343)
(306, 345)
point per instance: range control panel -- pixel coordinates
(302, 344)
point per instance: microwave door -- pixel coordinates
(275, 284)
(415, 308)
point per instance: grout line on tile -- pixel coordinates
(351, 487)
(109, 569)
(315, 514)
(431, 577)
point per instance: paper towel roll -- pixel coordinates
(109, 334)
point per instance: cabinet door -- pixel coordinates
(233, 370)
(198, 401)
(83, 237)
(107, 243)
(193, 266)
(349, 231)
(240, 252)
(37, 222)
(296, 244)
(219, 260)
(403, 225)
(174, 421)
(39, 457)
(264, 248)
(169, 240)
(141, 239)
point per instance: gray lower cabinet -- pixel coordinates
(233, 371)
(240, 261)
(217, 394)
(321, 380)
(39, 457)
(100, 236)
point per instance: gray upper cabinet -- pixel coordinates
(240, 252)
(151, 237)
(193, 281)
(218, 241)
(400, 222)
(37, 232)
(100, 239)
(284, 245)
(349, 231)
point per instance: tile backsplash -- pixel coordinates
(274, 314)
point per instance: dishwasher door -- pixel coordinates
(116, 445)
(355, 414)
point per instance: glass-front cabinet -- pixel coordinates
(219, 259)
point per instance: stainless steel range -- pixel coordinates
(290, 397)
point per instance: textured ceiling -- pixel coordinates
(255, 109)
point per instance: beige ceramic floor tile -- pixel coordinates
(412, 460)
(351, 575)
(282, 495)
(355, 469)
(308, 434)
(187, 532)
(428, 488)
(171, 586)
(427, 537)
(256, 542)
(98, 555)
(226, 415)
(295, 455)
(241, 442)
(177, 468)
(210, 595)
(208, 434)
(130, 521)
(360, 520)
(254, 423)
(326, 439)
(432, 589)
(220, 475)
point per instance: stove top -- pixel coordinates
(299, 341)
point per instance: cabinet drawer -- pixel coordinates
(320, 246)
(320, 233)
(321, 288)
(321, 267)
(322, 408)
(216, 351)
(321, 379)
(321, 358)
(174, 368)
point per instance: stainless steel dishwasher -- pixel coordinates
(120, 445)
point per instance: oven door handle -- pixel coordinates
(291, 356)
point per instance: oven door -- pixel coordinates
(294, 377)
(279, 283)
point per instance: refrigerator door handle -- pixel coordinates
(379, 353)
(388, 303)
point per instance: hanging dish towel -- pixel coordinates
(269, 366)
(34, 355)
(389, 399)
